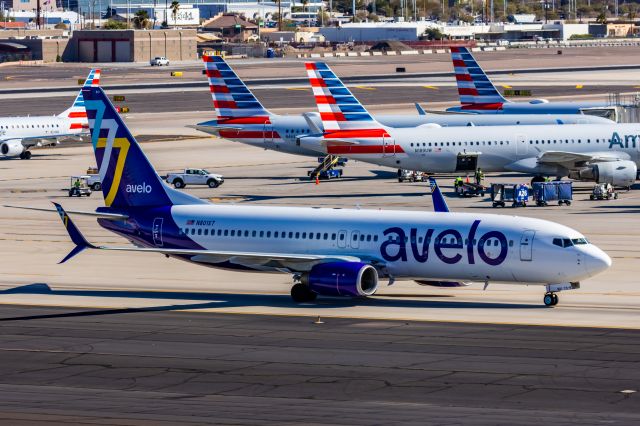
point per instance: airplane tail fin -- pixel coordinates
(343, 116)
(76, 113)
(232, 99)
(475, 89)
(439, 203)
(74, 233)
(128, 178)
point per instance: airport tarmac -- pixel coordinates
(115, 338)
(160, 367)
(33, 243)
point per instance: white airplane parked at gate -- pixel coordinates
(605, 153)
(242, 118)
(328, 252)
(18, 134)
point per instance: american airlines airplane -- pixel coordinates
(328, 252)
(479, 95)
(18, 134)
(242, 118)
(605, 153)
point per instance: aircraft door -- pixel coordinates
(267, 134)
(156, 231)
(521, 145)
(355, 239)
(526, 246)
(342, 239)
(466, 162)
(388, 147)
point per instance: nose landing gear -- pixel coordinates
(550, 297)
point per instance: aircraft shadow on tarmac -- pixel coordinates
(225, 300)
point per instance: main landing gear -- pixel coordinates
(550, 299)
(301, 293)
(26, 155)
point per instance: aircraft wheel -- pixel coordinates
(555, 299)
(27, 155)
(300, 293)
(549, 298)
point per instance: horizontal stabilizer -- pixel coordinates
(97, 215)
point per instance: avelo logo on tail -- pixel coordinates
(143, 188)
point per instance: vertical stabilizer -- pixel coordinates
(475, 89)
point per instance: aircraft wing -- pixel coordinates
(564, 157)
(256, 260)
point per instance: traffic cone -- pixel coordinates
(317, 179)
(467, 178)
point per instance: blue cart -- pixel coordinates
(551, 192)
(514, 193)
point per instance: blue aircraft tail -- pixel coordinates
(128, 178)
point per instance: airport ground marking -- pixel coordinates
(430, 87)
(302, 315)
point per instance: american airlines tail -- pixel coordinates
(128, 178)
(77, 113)
(475, 89)
(348, 127)
(232, 99)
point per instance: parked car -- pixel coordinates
(195, 177)
(159, 61)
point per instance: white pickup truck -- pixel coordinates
(195, 177)
(159, 61)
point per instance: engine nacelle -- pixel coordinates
(11, 148)
(442, 283)
(345, 279)
(617, 173)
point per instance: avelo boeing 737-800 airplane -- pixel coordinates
(18, 134)
(329, 252)
(605, 153)
(242, 118)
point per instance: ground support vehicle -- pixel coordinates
(468, 189)
(194, 177)
(603, 191)
(79, 186)
(412, 176)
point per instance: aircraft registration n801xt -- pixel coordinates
(605, 153)
(18, 134)
(329, 252)
(242, 118)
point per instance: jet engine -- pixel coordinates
(345, 279)
(617, 173)
(12, 148)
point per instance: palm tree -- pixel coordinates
(175, 6)
(141, 19)
(304, 6)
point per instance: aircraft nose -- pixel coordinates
(596, 261)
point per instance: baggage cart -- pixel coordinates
(514, 193)
(560, 192)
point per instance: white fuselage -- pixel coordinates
(418, 245)
(282, 133)
(498, 148)
(37, 126)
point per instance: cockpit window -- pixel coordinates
(567, 242)
(578, 241)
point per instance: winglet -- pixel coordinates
(439, 204)
(74, 233)
(421, 110)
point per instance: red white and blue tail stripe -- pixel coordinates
(231, 97)
(474, 87)
(77, 114)
(348, 126)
